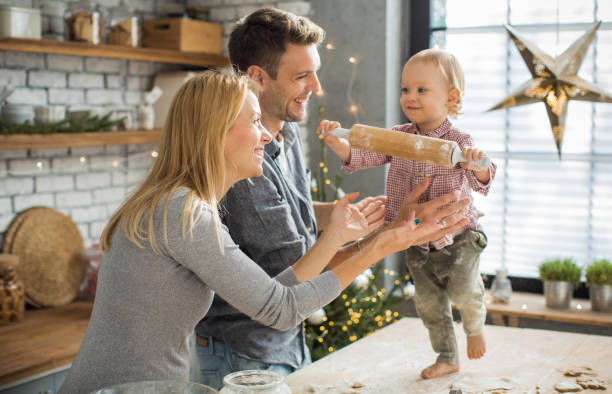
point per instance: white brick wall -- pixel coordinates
(66, 96)
(54, 183)
(24, 167)
(28, 96)
(5, 205)
(92, 180)
(65, 63)
(103, 96)
(104, 65)
(13, 77)
(33, 200)
(89, 191)
(85, 80)
(16, 186)
(18, 59)
(47, 79)
(73, 199)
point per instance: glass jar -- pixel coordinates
(123, 26)
(83, 22)
(12, 293)
(252, 381)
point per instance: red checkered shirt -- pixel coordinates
(404, 175)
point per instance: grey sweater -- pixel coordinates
(148, 304)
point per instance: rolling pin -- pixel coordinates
(405, 145)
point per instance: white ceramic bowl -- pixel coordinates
(46, 114)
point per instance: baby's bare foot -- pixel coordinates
(438, 369)
(476, 346)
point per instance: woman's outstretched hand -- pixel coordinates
(403, 234)
(444, 210)
(351, 221)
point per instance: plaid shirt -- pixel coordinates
(404, 175)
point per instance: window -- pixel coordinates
(539, 206)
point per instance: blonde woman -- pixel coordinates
(166, 252)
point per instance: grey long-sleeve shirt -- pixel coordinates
(147, 304)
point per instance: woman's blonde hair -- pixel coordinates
(451, 69)
(190, 155)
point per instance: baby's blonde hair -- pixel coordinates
(451, 69)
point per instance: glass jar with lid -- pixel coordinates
(12, 292)
(123, 26)
(255, 382)
(83, 22)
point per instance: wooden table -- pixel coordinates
(390, 361)
(45, 339)
(533, 306)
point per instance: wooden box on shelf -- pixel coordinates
(181, 34)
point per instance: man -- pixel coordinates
(272, 217)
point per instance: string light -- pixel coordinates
(353, 108)
(320, 92)
(330, 46)
(98, 163)
(352, 60)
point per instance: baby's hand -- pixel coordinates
(472, 155)
(339, 145)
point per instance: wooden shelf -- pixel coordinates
(26, 141)
(112, 51)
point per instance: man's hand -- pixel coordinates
(350, 221)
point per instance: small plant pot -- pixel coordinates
(601, 297)
(558, 294)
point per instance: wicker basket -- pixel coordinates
(48, 244)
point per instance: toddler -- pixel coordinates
(447, 269)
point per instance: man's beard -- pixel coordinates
(281, 108)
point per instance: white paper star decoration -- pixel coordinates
(554, 80)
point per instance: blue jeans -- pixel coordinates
(217, 360)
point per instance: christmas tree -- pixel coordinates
(365, 306)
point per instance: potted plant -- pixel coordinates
(559, 276)
(599, 280)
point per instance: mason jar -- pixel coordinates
(255, 382)
(12, 292)
(83, 22)
(123, 26)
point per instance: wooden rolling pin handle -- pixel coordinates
(457, 157)
(339, 132)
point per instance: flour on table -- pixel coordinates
(477, 385)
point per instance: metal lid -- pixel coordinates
(19, 9)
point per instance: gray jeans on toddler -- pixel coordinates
(449, 274)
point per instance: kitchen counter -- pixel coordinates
(390, 361)
(43, 341)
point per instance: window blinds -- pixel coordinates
(539, 206)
